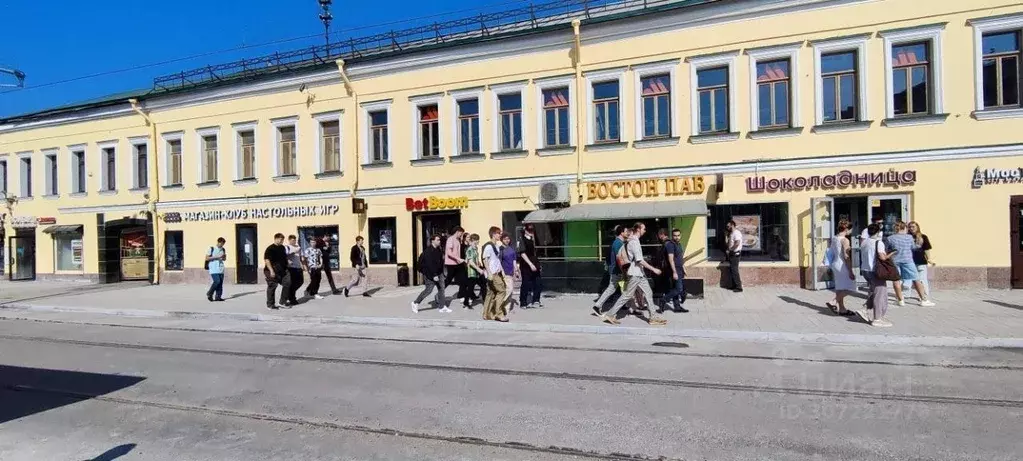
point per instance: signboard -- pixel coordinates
(134, 268)
(842, 180)
(992, 176)
(47, 220)
(749, 226)
(76, 251)
(436, 203)
(24, 222)
(668, 187)
(257, 213)
(172, 217)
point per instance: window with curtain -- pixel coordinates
(656, 94)
(429, 131)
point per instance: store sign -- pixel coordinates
(47, 220)
(24, 222)
(668, 187)
(76, 251)
(259, 213)
(842, 180)
(992, 176)
(436, 203)
(172, 217)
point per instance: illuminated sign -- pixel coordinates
(842, 180)
(436, 203)
(668, 187)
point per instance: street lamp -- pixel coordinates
(326, 17)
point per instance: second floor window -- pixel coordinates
(378, 136)
(26, 177)
(3, 176)
(51, 174)
(605, 112)
(656, 93)
(209, 159)
(286, 151)
(330, 148)
(555, 117)
(712, 87)
(109, 169)
(911, 79)
(510, 108)
(429, 131)
(78, 172)
(174, 162)
(247, 151)
(838, 84)
(1001, 69)
(773, 94)
(141, 166)
(468, 126)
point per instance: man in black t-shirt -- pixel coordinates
(674, 272)
(529, 268)
(275, 271)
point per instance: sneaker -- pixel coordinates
(596, 311)
(927, 303)
(415, 308)
(902, 303)
(317, 297)
(445, 310)
(862, 313)
(881, 323)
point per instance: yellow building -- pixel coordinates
(785, 115)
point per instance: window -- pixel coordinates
(26, 176)
(429, 131)
(911, 79)
(78, 171)
(51, 175)
(913, 76)
(3, 176)
(606, 113)
(379, 137)
(713, 97)
(332, 255)
(109, 169)
(383, 247)
(247, 154)
(510, 114)
(141, 167)
(712, 90)
(68, 251)
(287, 158)
(838, 80)
(174, 162)
(1001, 69)
(174, 250)
(209, 158)
(469, 126)
(764, 227)
(330, 146)
(556, 120)
(656, 93)
(773, 99)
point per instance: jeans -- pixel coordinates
(676, 294)
(470, 289)
(456, 274)
(296, 282)
(357, 277)
(314, 282)
(529, 292)
(733, 270)
(217, 287)
(283, 278)
(428, 286)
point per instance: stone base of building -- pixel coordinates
(74, 278)
(383, 276)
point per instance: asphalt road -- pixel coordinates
(148, 389)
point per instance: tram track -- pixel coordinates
(604, 379)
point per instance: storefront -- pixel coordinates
(431, 216)
(22, 248)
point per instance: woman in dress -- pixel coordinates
(841, 268)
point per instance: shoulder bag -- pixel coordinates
(884, 269)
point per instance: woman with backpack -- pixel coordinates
(874, 255)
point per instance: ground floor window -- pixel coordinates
(382, 246)
(174, 250)
(330, 233)
(68, 251)
(764, 227)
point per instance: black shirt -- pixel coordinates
(528, 249)
(431, 262)
(277, 256)
(673, 248)
(918, 253)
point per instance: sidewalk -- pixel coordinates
(969, 318)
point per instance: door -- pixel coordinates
(429, 224)
(893, 208)
(134, 254)
(822, 212)
(23, 257)
(1016, 239)
(246, 253)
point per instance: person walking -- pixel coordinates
(734, 252)
(921, 255)
(496, 287)
(873, 250)
(215, 265)
(357, 255)
(294, 269)
(902, 244)
(637, 280)
(454, 264)
(529, 267)
(275, 272)
(675, 274)
(312, 257)
(475, 274)
(326, 249)
(841, 268)
(509, 260)
(431, 265)
(614, 272)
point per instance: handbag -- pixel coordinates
(884, 269)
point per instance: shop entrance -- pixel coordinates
(426, 225)
(23, 257)
(827, 212)
(246, 253)
(1016, 239)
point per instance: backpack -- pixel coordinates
(206, 264)
(622, 258)
(483, 251)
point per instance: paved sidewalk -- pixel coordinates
(970, 318)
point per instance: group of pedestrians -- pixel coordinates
(901, 258)
(489, 266)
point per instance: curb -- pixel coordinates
(754, 336)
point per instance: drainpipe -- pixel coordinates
(351, 92)
(154, 188)
(580, 132)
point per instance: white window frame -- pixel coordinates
(857, 44)
(982, 26)
(240, 128)
(465, 95)
(22, 192)
(73, 169)
(546, 84)
(5, 165)
(417, 102)
(642, 71)
(200, 134)
(335, 116)
(277, 124)
(593, 78)
(135, 142)
(698, 63)
(496, 91)
(166, 155)
(51, 157)
(365, 145)
(101, 149)
(931, 34)
(775, 53)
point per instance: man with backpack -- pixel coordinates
(215, 258)
(636, 278)
(614, 272)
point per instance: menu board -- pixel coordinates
(749, 226)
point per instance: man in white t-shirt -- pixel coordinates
(866, 235)
(733, 253)
(496, 288)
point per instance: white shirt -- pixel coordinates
(868, 255)
(736, 236)
(492, 260)
(864, 235)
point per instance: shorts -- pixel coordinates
(908, 271)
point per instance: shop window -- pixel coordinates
(764, 226)
(68, 251)
(330, 233)
(382, 246)
(174, 250)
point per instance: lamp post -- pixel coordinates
(326, 17)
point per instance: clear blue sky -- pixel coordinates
(56, 41)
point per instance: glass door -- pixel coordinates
(246, 254)
(23, 258)
(892, 208)
(822, 212)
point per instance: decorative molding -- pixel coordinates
(602, 76)
(997, 114)
(364, 145)
(654, 143)
(463, 185)
(981, 26)
(758, 55)
(857, 43)
(775, 133)
(842, 127)
(917, 120)
(606, 146)
(509, 154)
(468, 158)
(457, 96)
(432, 161)
(545, 84)
(496, 91)
(655, 68)
(932, 35)
(703, 62)
(555, 151)
(713, 138)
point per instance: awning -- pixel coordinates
(64, 229)
(608, 211)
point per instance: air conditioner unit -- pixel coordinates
(552, 193)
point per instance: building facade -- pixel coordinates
(785, 116)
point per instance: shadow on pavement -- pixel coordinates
(244, 293)
(27, 391)
(114, 453)
(1003, 304)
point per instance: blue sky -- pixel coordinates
(51, 42)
